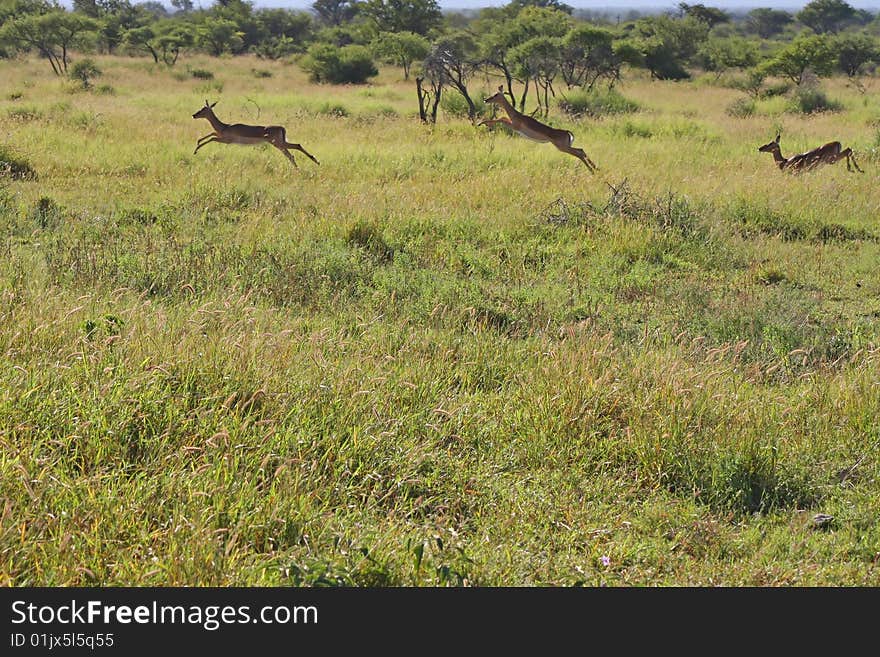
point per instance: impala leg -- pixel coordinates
(491, 122)
(302, 150)
(286, 154)
(848, 153)
(212, 138)
(207, 136)
(581, 155)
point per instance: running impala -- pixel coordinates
(239, 133)
(535, 130)
(830, 153)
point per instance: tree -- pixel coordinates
(219, 35)
(708, 15)
(52, 35)
(806, 53)
(538, 60)
(720, 55)
(767, 22)
(452, 61)
(402, 48)
(826, 15)
(417, 16)
(854, 51)
(516, 5)
(335, 12)
(163, 40)
(587, 55)
(665, 45)
(182, 6)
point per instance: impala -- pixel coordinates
(830, 153)
(535, 130)
(239, 133)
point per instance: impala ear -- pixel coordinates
(777, 138)
(212, 104)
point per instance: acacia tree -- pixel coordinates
(452, 62)
(826, 15)
(587, 55)
(767, 22)
(52, 35)
(854, 51)
(162, 41)
(402, 48)
(335, 12)
(806, 53)
(417, 16)
(538, 60)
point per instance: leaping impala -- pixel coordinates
(535, 130)
(239, 133)
(830, 153)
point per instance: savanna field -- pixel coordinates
(445, 356)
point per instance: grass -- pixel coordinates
(445, 356)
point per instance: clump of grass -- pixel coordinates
(368, 237)
(15, 95)
(741, 108)
(24, 114)
(14, 166)
(597, 103)
(333, 109)
(46, 213)
(210, 87)
(261, 73)
(633, 129)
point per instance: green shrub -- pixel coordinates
(810, 100)
(597, 103)
(83, 71)
(454, 104)
(347, 65)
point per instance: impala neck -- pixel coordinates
(777, 157)
(506, 106)
(216, 123)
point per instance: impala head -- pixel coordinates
(497, 99)
(770, 146)
(205, 111)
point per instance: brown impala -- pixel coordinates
(535, 130)
(830, 153)
(239, 133)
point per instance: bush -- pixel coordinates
(14, 166)
(597, 103)
(810, 100)
(201, 74)
(347, 65)
(83, 71)
(454, 104)
(741, 108)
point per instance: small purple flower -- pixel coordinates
(606, 561)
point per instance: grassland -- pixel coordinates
(445, 356)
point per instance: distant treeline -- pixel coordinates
(531, 45)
